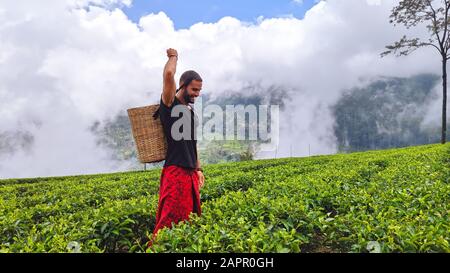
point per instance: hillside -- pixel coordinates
(387, 112)
(393, 200)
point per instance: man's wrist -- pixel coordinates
(199, 169)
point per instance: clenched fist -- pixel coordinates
(172, 52)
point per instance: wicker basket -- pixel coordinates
(148, 133)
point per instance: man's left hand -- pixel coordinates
(201, 178)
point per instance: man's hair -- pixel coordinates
(187, 77)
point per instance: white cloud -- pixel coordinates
(62, 68)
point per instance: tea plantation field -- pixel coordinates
(395, 200)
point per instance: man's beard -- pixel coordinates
(188, 98)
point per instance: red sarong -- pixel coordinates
(179, 195)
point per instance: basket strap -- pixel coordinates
(188, 81)
(155, 115)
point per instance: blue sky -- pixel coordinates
(186, 13)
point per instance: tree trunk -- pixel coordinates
(444, 100)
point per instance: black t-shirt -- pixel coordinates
(182, 152)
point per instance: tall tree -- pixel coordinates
(435, 15)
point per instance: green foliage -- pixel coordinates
(377, 201)
(221, 151)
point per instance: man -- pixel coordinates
(181, 176)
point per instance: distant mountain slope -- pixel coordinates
(385, 114)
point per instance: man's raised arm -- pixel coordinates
(169, 85)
